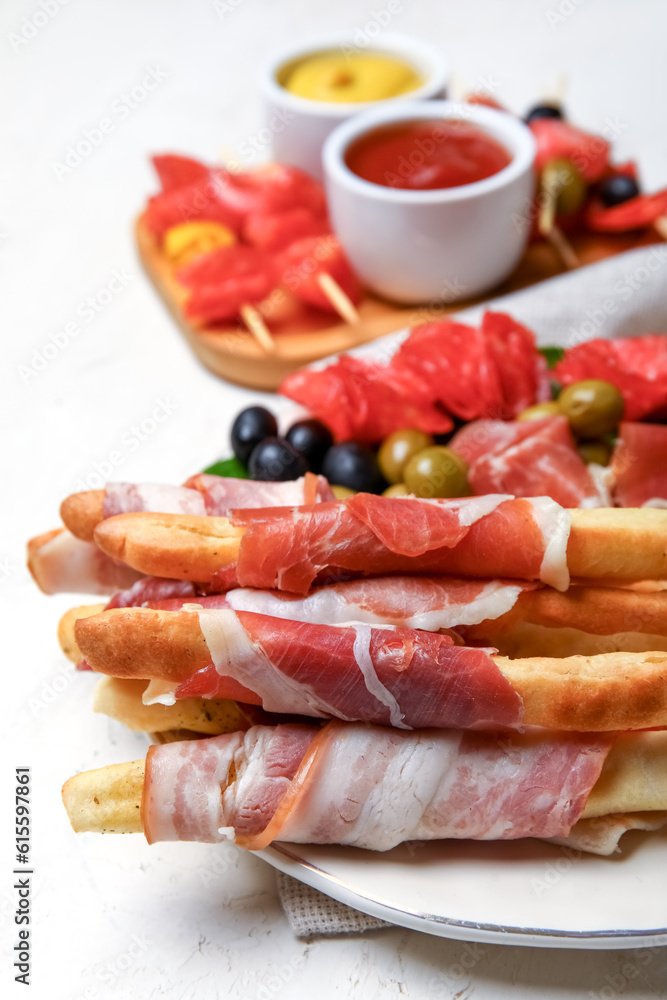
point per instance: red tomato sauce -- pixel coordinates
(426, 155)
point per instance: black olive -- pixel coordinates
(251, 426)
(313, 439)
(618, 188)
(275, 460)
(355, 466)
(544, 111)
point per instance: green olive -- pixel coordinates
(437, 472)
(342, 492)
(597, 452)
(398, 448)
(396, 490)
(567, 183)
(540, 410)
(593, 408)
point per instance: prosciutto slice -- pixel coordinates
(128, 498)
(153, 591)
(214, 495)
(639, 465)
(424, 602)
(427, 602)
(222, 495)
(528, 458)
(490, 536)
(61, 563)
(402, 677)
(367, 786)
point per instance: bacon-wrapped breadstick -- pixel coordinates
(374, 787)
(396, 676)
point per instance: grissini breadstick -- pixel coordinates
(614, 543)
(598, 610)
(612, 691)
(121, 699)
(632, 779)
(66, 636)
(81, 512)
(200, 494)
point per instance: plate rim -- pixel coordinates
(282, 856)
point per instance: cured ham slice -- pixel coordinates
(528, 458)
(639, 465)
(123, 498)
(489, 536)
(222, 495)
(402, 677)
(428, 602)
(153, 591)
(61, 563)
(215, 495)
(368, 787)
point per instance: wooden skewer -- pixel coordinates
(563, 247)
(258, 328)
(660, 225)
(552, 232)
(338, 298)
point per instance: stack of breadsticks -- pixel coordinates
(427, 631)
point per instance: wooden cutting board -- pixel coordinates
(304, 334)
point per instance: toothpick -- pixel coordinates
(258, 328)
(338, 298)
(660, 225)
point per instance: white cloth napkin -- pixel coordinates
(622, 296)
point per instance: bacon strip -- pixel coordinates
(489, 536)
(367, 786)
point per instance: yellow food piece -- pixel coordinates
(188, 240)
(330, 76)
(342, 492)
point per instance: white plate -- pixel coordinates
(523, 892)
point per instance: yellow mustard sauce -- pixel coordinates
(332, 76)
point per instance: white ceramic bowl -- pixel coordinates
(296, 127)
(427, 246)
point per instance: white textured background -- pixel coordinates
(111, 916)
